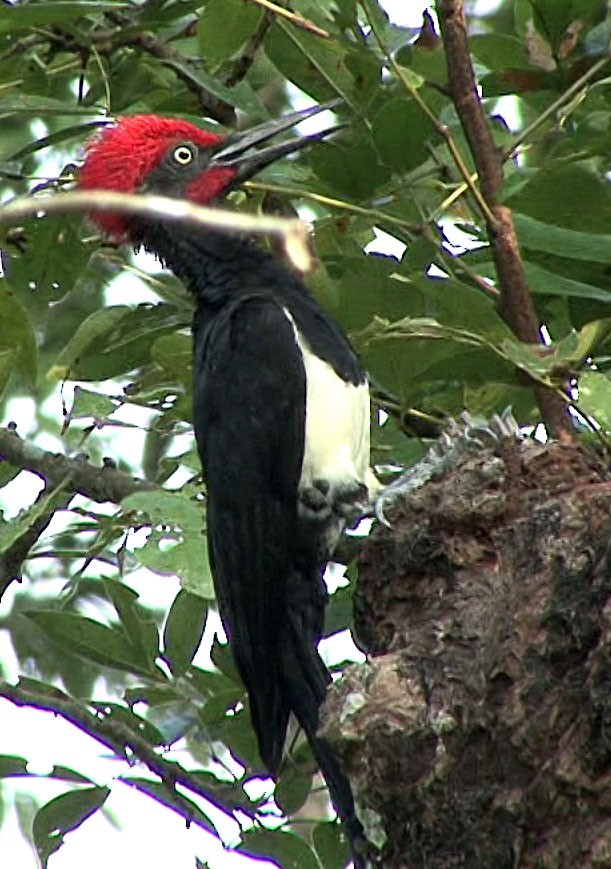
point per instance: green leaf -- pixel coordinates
(569, 243)
(26, 519)
(176, 802)
(49, 265)
(544, 282)
(222, 658)
(183, 630)
(338, 615)
(286, 849)
(293, 789)
(12, 766)
(123, 718)
(114, 341)
(18, 766)
(173, 353)
(88, 639)
(18, 352)
(139, 626)
(176, 545)
(552, 19)
(87, 403)
(400, 132)
(330, 845)
(497, 51)
(595, 397)
(224, 26)
(317, 66)
(571, 196)
(353, 171)
(78, 131)
(29, 15)
(63, 814)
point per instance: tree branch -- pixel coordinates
(12, 558)
(246, 59)
(184, 68)
(292, 232)
(81, 477)
(293, 18)
(210, 105)
(123, 741)
(515, 304)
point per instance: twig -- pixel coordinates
(554, 107)
(97, 484)
(246, 59)
(292, 232)
(210, 105)
(23, 44)
(11, 560)
(442, 129)
(332, 202)
(121, 739)
(515, 303)
(293, 17)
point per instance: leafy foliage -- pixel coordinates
(426, 323)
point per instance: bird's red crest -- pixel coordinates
(119, 158)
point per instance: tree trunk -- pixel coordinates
(479, 734)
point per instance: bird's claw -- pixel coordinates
(461, 437)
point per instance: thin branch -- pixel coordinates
(210, 105)
(185, 69)
(80, 476)
(22, 45)
(245, 60)
(332, 202)
(554, 107)
(515, 303)
(11, 560)
(292, 17)
(442, 129)
(123, 741)
(292, 233)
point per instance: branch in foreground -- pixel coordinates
(12, 558)
(292, 233)
(516, 304)
(78, 475)
(124, 742)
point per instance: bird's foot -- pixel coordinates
(461, 439)
(321, 500)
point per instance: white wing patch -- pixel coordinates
(337, 425)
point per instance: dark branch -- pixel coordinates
(11, 560)
(76, 475)
(515, 303)
(210, 105)
(124, 742)
(246, 59)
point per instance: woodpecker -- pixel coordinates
(280, 410)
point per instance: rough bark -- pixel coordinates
(479, 734)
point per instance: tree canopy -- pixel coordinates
(494, 192)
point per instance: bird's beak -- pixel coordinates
(243, 151)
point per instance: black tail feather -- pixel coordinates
(305, 681)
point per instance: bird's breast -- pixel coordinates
(337, 423)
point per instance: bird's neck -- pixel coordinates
(220, 267)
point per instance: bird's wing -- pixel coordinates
(249, 414)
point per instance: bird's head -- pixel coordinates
(170, 157)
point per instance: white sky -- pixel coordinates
(149, 835)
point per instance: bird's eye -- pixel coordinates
(182, 154)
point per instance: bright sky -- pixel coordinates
(150, 835)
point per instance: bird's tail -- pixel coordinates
(305, 679)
